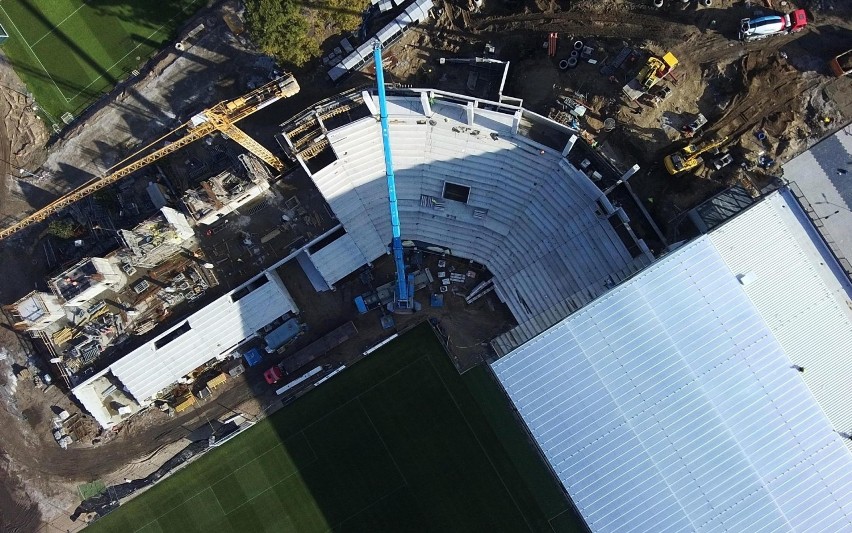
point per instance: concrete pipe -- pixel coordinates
(572, 62)
(563, 65)
(574, 53)
(658, 3)
(578, 45)
(707, 3)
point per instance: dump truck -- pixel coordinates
(689, 156)
(841, 65)
(655, 69)
(752, 29)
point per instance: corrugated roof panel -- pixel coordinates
(214, 329)
(418, 10)
(337, 71)
(667, 404)
(389, 31)
(800, 294)
(338, 259)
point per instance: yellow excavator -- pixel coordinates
(689, 156)
(654, 70)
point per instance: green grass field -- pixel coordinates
(70, 52)
(399, 442)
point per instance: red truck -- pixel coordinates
(273, 375)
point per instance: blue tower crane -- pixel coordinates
(404, 294)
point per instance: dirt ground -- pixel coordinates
(779, 86)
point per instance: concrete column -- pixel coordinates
(632, 170)
(569, 145)
(368, 100)
(470, 113)
(427, 107)
(623, 179)
(516, 122)
(288, 141)
(321, 123)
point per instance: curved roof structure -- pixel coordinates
(469, 181)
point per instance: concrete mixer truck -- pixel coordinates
(752, 29)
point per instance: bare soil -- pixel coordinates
(779, 86)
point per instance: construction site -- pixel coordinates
(178, 259)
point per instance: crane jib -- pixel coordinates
(220, 117)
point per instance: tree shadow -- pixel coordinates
(149, 14)
(77, 51)
(70, 86)
(34, 194)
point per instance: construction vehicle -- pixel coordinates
(695, 126)
(841, 65)
(721, 162)
(277, 339)
(689, 156)
(274, 374)
(752, 29)
(222, 117)
(654, 70)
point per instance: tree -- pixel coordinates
(291, 31)
(280, 30)
(64, 229)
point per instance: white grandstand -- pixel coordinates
(210, 334)
(470, 182)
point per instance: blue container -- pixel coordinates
(253, 357)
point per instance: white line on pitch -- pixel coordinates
(56, 26)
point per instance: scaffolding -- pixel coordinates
(151, 242)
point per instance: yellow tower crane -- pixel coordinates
(221, 117)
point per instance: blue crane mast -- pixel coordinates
(404, 294)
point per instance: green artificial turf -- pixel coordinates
(398, 442)
(70, 52)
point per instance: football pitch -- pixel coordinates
(399, 442)
(70, 52)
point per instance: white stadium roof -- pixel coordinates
(338, 259)
(800, 292)
(211, 332)
(671, 404)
